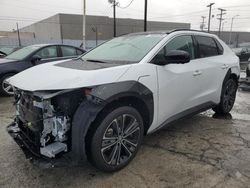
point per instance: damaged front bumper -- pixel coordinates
(36, 158)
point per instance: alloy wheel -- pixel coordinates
(7, 88)
(229, 95)
(120, 139)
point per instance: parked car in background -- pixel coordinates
(4, 51)
(243, 53)
(100, 106)
(32, 55)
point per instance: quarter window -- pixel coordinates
(207, 46)
(79, 52)
(220, 48)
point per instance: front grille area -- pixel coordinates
(29, 120)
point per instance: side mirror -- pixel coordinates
(35, 59)
(177, 57)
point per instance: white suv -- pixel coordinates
(99, 106)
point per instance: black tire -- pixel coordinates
(228, 96)
(248, 71)
(3, 85)
(111, 155)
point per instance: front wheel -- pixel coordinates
(6, 89)
(228, 96)
(117, 139)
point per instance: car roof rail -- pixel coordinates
(175, 30)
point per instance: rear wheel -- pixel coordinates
(117, 139)
(228, 96)
(248, 71)
(6, 89)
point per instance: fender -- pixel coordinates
(92, 105)
(229, 73)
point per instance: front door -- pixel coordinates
(178, 84)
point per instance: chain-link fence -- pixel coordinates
(14, 42)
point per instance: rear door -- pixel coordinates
(48, 54)
(213, 66)
(68, 52)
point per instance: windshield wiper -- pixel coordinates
(95, 60)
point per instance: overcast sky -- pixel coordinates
(26, 12)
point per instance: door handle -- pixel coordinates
(225, 66)
(197, 73)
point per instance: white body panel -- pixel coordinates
(43, 77)
(175, 87)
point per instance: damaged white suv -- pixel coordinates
(98, 107)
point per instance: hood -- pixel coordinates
(3, 60)
(57, 76)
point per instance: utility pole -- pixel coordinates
(84, 25)
(230, 35)
(114, 6)
(61, 32)
(203, 23)
(18, 35)
(220, 18)
(222, 28)
(209, 15)
(145, 15)
(95, 30)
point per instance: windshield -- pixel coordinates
(124, 50)
(7, 50)
(22, 53)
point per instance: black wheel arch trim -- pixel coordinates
(228, 75)
(92, 106)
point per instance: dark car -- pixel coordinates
(4, 51)
(243, 53)
(30, 56)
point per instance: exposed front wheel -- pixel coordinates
(228, 96)
(6, 89)
(117, 139)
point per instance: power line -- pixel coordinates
(126, 6)
(180, 15)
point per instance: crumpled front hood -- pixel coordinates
(50, 76)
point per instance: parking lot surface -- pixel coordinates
(206, 150)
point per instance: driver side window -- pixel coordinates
(48, 52)
(184, 43)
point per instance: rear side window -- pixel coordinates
(207, 46)
(68, 51)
